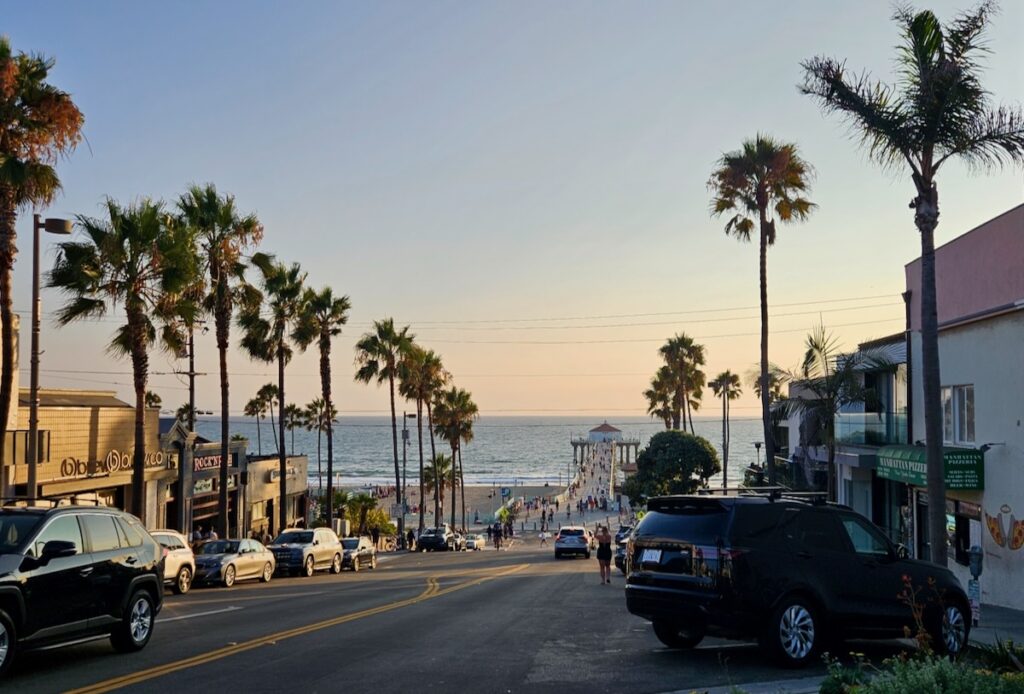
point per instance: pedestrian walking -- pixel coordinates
(604, 553)
(543, 538)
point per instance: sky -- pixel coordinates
(523, 184)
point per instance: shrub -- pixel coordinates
(939, 676)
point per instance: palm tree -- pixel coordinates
(436, 476)
(454, 412)
(153, 400)
(762, 180)
(257, 409)
(683, 357)
(38, 124)
(270, 395)
(936, 111)
(829, 381)
(378, 354)
(292, 417)
(434, 379)
(359, 506)
(138, 259)
(420, 376)
(267, 339)
(184, 413)
(659, 396)
(221, 236)
(726, 385)
(313, 418)
(321, 319)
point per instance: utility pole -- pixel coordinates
(191, 379)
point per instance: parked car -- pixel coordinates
(228, 561)
(179, 562)
(435, 539)
(359, 553)
(305, 551)
(573, 539)
(620, 557)
(790, 573)
(476, 542)
(622, 533)
(458, 541)
(73, 572)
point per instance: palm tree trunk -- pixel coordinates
(926, 218)
(433, 456)
(725, 439)
(419, 437)
(319, 469)
(278, 442)
(223, 325)
(677, 409)
(140, 366)
(462, 486)
(282, 457)
(259, 437)
(689, 414)
(398, 472)
(454, 449)
(8, 235)
(766, 421)
(325, 386)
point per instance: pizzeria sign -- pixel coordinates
(964, 468)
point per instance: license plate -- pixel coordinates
(651, 555)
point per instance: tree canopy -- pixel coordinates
(673, 462)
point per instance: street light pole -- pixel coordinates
(405, 447)
(53, 226)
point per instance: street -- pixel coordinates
(469, 622)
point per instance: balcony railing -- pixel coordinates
(871, 428)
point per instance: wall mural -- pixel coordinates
(998, 530)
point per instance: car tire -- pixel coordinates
(336, 564)
(309, 567)
(674, 636)
(135, 629)
(8, 643)
(355, 564)
(373, 562)
(229, 576)
(268, 573)
(558, 555)
(586, 555)
(794, 633)
(183, 581)
(949, 628)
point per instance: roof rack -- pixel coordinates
(771, 493)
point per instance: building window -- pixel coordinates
(958, 414)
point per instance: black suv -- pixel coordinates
(435, 539)
(73, 572)
(793, 574)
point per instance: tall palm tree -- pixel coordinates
(38, 124)
(270, 395)
(421, 375)
(185, 413)
(726, 385)
(314, 418)
(938, 110)
(153, 400)
(683, 357)
(359, 507)
(435, 377)
(293, 417)
(267, 339)
(320, 321)
(221, 236)
(830, 381)
(137, 258)
(436, 476)
(378, 354)
(257, 409)
(762, 183)
(454, 413)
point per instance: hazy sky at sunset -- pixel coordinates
(521, 182)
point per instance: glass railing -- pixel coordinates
(871, 428)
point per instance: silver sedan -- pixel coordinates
(227, 561)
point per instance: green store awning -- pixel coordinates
(964, 467)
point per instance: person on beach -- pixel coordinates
(604, 553)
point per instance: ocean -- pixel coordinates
(504, 450)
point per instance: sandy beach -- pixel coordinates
(485, 499)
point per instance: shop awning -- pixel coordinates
(964, 467)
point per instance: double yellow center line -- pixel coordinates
(433, 590)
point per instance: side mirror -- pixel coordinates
(902, 552)
(55, 549)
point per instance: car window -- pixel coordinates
(15, 530)
(865, 538)
(131, 536)
(60, 528)
(171, 542)
(350, 544)
(220, 547)
(300, 537)
(570, 531)
(815, 530)
(103, 534)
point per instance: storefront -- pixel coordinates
(264, 492)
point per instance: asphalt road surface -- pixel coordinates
(515, 621)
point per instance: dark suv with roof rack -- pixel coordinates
(70, 573)
(792, 574)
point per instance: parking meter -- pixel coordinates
(974, 559)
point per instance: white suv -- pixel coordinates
(179, 562)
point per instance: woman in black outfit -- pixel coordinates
(604, 553)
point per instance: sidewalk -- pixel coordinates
(1001, 623)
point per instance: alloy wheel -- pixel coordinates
(954, 630)
(309, 565)
(5, 643)
(184, 580)
(229, 576)
(796, 632)
(141, 620)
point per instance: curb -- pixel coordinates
(804, 685)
